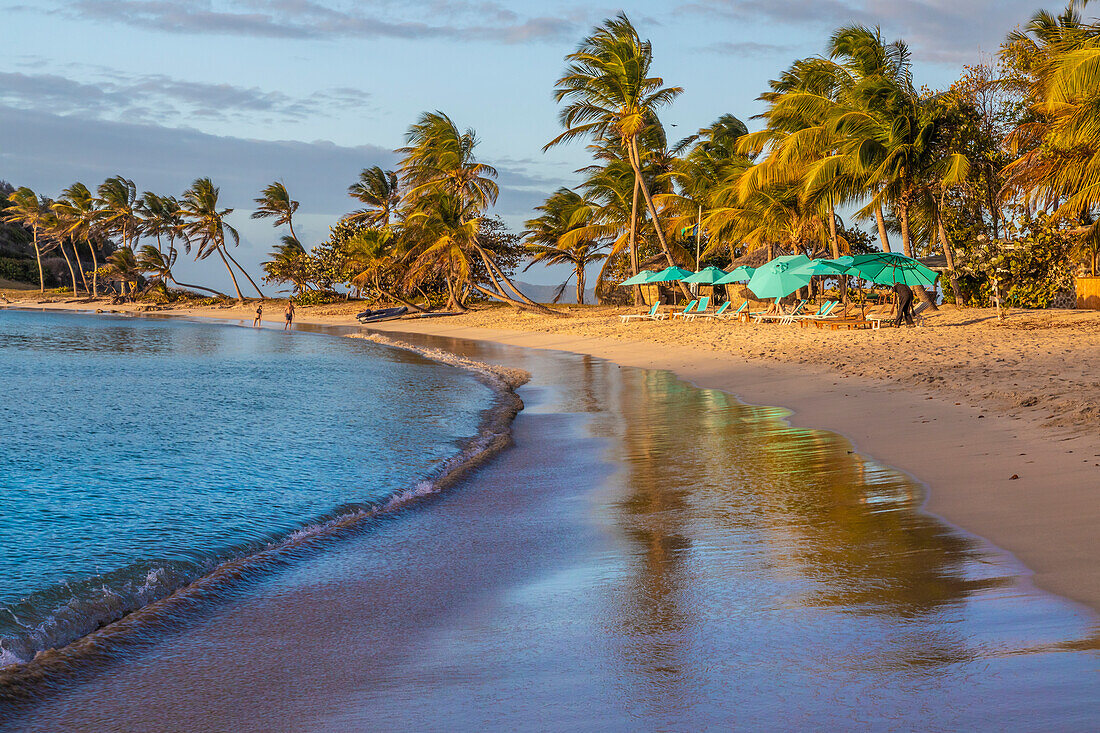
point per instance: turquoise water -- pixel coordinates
(138, 454)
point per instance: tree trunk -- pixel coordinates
(907, 248)
(72, 272)
(453, 303)
(883, 239)
(38, 256)
(580, 283)
(80, 267)
(243, 272)
(198, 287)
(240, 298)
(832, 232)
(491, 267)
(95, 267)
(399, 299)
(637, 289)
(290, 223)
(950, 256)
(635, 162)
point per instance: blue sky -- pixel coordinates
(311, 91)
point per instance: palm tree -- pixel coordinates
(124, 266)
(564, 212)
(79, 215)
(610, 96)
(27, 209)
(275, 202)
(374, 255)
(57, 230)
(447, 192)
(159, 264)
(205, 227)
(380, 191)
(288, 264)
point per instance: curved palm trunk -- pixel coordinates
(883, 239)
(950, 256)
(244, 273)
(290, 223)
(637, 289)
(494, 273)
(72, 272)
(240, 298)
(580, 283)
(198, 287)
(95, 267)
(907, 247)
(38, 256)
(636, 165)
(80, 267)
(453, 303)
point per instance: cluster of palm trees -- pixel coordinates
(422, 228)
(846, 131)
(79, 219)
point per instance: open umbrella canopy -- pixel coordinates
(706, 276)
(740, 274)
(889, 268)
(779, 278)
(670, 274)
(822, 267)
(640, 279)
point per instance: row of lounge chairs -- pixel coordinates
(830, 314)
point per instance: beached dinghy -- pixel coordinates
(383, 314)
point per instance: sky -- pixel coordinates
(309, 92)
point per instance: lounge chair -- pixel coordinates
(652, 315)
(822, 312)
(720, 313)
(693, 308)
(781, 317)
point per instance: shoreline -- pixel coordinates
(965, 466)
(22, 683)
(965, 456)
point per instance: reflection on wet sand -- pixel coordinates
(649, 556)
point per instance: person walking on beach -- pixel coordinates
(288, 314)
(905, 304)
(259, 314)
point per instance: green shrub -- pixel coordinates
(19, 270)
(317, 297)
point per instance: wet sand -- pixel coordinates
(649, 555)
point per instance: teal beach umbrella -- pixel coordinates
(670, 274)
(740, 274)
(640, 279)
(780, 277)
(822, 267)
(706, 276)
(889, 268)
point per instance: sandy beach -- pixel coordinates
(1001, 420)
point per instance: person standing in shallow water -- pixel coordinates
(288, 314)
(905, 304)
(259, 315)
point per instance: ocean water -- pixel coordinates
(138, 454)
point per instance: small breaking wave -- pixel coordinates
(106, 615)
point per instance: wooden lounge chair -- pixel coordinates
(822, 312)
(890, 315)
(699, 305)
(652, 315)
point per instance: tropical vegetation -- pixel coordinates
(998, 175)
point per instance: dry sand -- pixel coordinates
(1000, 420)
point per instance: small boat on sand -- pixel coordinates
(382, 314)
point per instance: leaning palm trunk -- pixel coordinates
(198, 287)
(236, 287)
(637, 289)
(38, 256)
(80, 267)
(72, 272)
(245, 274)
(494, 273)
(636, 165)
(95, 270)
(883, 239)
